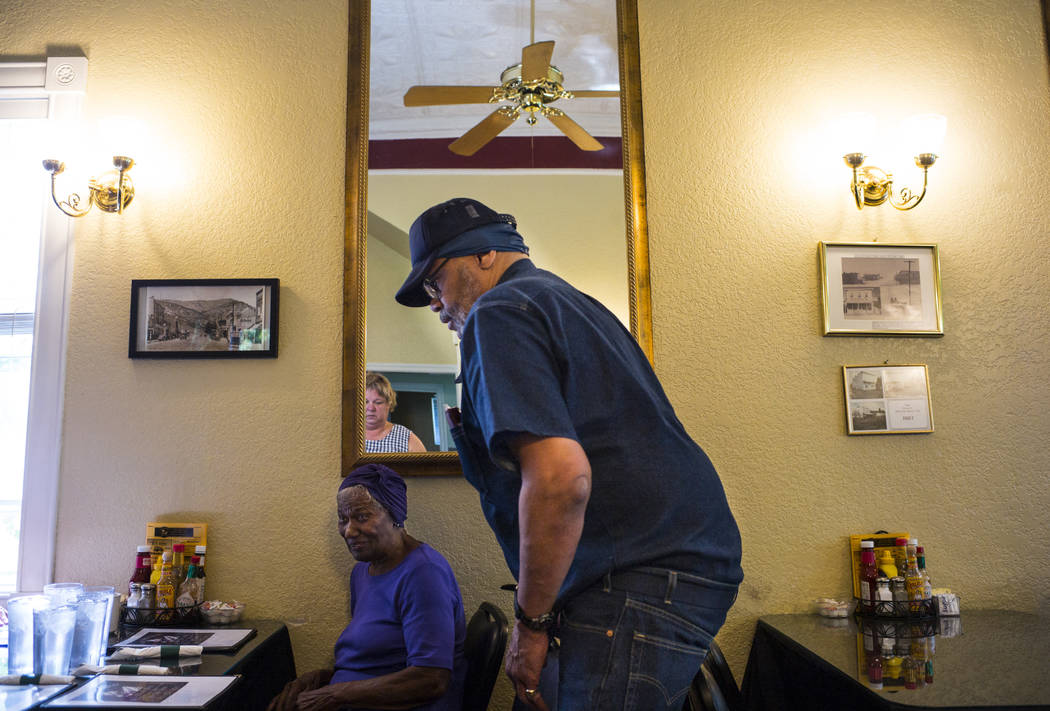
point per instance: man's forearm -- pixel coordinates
(556, 485)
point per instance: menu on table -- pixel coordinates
(24, 697)
(213, 640)
(185, 692)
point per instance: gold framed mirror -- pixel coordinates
(356, 233)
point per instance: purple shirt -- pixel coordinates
(409, 616)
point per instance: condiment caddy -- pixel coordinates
(890, 577)
(166, 587)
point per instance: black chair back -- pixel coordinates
(714, 688)
(719, 668)
(704, 694)
(484, 647)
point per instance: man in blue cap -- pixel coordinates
(612, 520)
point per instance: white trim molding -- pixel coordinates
(53, 90)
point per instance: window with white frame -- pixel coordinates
(35, 272)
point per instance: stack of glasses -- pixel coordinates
(54, 633)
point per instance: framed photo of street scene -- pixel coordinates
(875, 289)
(887, 399)
(203, 318)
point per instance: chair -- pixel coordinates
(484, 647)
(704, 694)
(714, 688)
(723, 677)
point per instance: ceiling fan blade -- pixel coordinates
(535, 60)
(594, 93)
(470, 142)
(445, 95)
(583, 140)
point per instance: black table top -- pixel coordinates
(264, 661)
(219, 663)
(985, 658)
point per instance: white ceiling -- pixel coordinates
(470, 42)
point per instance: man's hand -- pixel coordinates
(288, 698)
(525, 658)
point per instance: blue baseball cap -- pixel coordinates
(456, 227)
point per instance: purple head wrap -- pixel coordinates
(385, 485)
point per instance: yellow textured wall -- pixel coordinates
(742, 186)
(245, 99)
(240, 174)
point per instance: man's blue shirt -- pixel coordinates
(540, 357)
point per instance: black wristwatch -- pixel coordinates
(537, 624)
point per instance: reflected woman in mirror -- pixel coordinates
(382, 435)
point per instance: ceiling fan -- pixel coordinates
(530, 87)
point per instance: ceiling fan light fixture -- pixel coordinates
(513, 73)
(528, 86)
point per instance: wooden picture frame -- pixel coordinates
(887, 399)
(875, 289)
(203, 318)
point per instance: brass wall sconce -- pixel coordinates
(873, 186)
(110, 192)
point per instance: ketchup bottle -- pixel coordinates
(143, 566)
(868, 573)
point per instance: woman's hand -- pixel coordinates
(323, 699)
(288, 698)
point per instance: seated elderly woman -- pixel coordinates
(403, 647)
(381, 435)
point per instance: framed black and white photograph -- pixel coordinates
(203, 318)
(887, 399)
(874, 289)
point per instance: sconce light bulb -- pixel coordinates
(122, 162)
(854, 160)
(925, 160)
(54, 166)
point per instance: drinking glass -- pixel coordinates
(92, 625)
(65, 593)
(20, 631)
(53, 637)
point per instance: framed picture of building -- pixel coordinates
(887, 399)
(203, 318)
(875, 289)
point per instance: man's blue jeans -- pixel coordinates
(635, 640)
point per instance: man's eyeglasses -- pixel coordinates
(430, 284)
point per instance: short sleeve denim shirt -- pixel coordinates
(541, 357)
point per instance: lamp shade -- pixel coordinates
(852, 133)
(923, 133)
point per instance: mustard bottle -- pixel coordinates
(886, 564)
(154, 575)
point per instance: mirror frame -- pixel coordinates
(356, 233)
